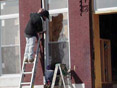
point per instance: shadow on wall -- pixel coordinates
(78, 82)
(75, 77)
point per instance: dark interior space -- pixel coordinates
(108, 30)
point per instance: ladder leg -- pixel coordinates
(60, 80)
(62, 76)
(22, 75)
(20, 86)
(54, 77)
(35, 64)
(69, 81)
(34, 72)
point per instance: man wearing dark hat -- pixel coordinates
(34, 26)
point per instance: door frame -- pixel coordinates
(97, 53)
(97, 56)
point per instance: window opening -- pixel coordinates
(9, 37)
(58, 33)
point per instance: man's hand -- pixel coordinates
(42, 32)
(40, 10)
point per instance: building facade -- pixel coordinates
(70, 44)
(80, 34)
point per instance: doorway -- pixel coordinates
(105, 49)
(108, 30)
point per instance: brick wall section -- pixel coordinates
(26, 7)
(80, 43)
(79, 39)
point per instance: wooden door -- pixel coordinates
(105, 47)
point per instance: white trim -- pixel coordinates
(69, 38)
(19, 45)
(106, 10)
(42, 86)
(43, 1)
(0, 55)
(103, 10)
(82, 85)
(58, 42)
(55, 11)
(94, 2)
(10, 75)
(36, 86)
(11, 45)
(10, 16)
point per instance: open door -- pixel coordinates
(105, 51)
(102, 51)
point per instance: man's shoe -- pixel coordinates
(26, 59)
(30, 60)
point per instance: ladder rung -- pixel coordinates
(28, 63)
(58, 76)
(27, 73)
(34, 65)
(25, 83)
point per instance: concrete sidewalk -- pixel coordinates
(9, 81)
(12, 81)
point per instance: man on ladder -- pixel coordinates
(35, 25)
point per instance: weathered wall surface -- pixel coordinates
(80, 42)
(26, 7)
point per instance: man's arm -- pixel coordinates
(34, 17)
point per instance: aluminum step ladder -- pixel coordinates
(33, 72)
(57, 67)
(63, 72)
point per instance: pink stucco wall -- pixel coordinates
(80, 43)
(26, 7)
